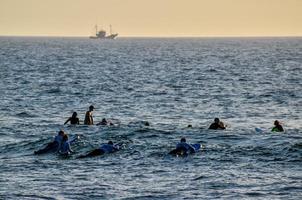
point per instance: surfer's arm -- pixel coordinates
(69, 149)
(116, 147)
(67, 120)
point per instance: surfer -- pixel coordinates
(54, 145)
(105, 122)
(88, 117)
(277, 127)
(65, 147)
(183, 148)
(217, 124)
(104, 148)
(73, 119)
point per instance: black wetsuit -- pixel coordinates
(105, 148)
(278, 128)
(51, 147)
(216, 126)
(74, 120)
(96, 152)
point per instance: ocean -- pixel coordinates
(169, 82)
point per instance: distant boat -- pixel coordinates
(102, 34)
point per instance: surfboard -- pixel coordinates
(196, 147)
(73, 139)
(258, 130)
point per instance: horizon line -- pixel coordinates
(201, 36)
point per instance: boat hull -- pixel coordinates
(109, 37)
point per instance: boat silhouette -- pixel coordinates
(101, 34)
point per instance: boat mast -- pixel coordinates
(96, 29)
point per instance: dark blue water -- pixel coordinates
(171, 83)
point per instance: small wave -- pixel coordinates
(254, 194)
(53, 91)
(34, 197)
(139, 124)
(211, 70)
(297, 146)
(199, 178)
(25, 115)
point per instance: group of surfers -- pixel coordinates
(62, 144)
(74, 120)
(216, 125)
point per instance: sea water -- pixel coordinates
(171, 83)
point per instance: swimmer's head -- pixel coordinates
(183, 139)
(91, 108)
(276, 123)
(216, 120)
(61, 132)
(74, 114)
(110, 142)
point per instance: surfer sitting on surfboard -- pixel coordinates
(277, 127)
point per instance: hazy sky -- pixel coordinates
(152, 17)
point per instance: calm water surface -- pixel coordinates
(171, 83)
